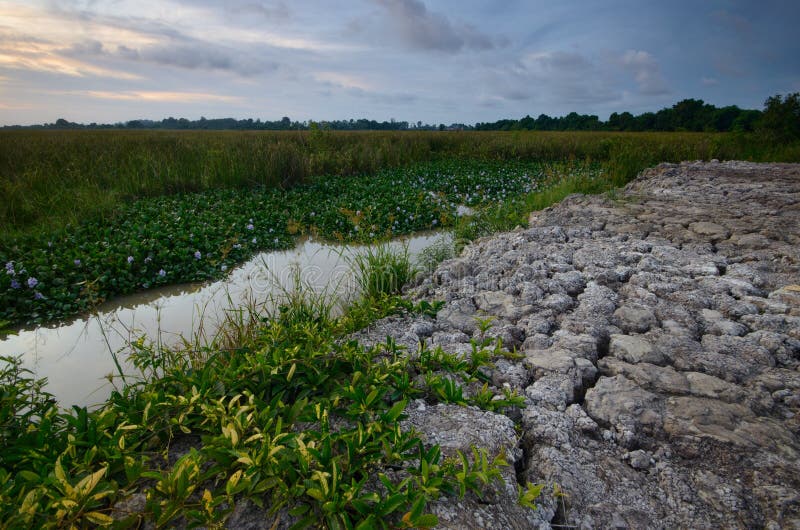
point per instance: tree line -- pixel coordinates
(781, 115)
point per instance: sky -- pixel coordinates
(435, 61)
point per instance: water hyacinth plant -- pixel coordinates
(198, 237)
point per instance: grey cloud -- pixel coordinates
(516, 94)
(556, 77)
(393, 99)
(188, 53)
(268, 10)
(88, 47)
(385, 98)
(561, 63)
(205, 56)
(646, 72)
(419, 28)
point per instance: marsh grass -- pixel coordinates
(442, 249)
(382, 269)
(52, 178)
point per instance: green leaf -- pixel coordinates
(417, 507)
(427, 520)
(99, 518)
(393, 414)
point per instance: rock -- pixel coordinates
(422, 328)
(500, 304)
(634, 319)
(628, 408)
(639, 459)
(634, 349)
(661, 342)
(712, 231)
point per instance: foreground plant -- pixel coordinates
(297, 420)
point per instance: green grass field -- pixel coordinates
(50, 178)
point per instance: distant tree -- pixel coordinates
(645, 122)
(722, 119)
(746, 121)
(691, 114)
(781, 116)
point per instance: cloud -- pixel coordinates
(709, 81)
(556, 76)
(199, 56)
(360, 88)
(646, 72)
(155, 96)
(277, 11)
(418, 28)
(22, 53)
(557, 62)
(342, 80)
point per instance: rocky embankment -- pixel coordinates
(660, 337)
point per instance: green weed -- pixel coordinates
(382, 270)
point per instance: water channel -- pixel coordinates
(76, 356)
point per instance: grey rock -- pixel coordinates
(629, 409)
(635, 349)
(661, 341)
(634, 319)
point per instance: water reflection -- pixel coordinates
(76, 356)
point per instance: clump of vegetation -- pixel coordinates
(440, 250)
(293, 419)
(382, 270)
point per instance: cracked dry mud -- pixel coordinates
(660, 329)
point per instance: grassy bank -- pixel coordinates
(51, 178)
(291, 418)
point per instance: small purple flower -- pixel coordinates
(276, 240)
(77, 262)
(237, 246)
(197, 254)
(224, 268)
(250, 226)
(162, 273)
(10, 267)
(32, 282)
(38, 296)
(254, 241)
(130, 259)
(15, 284)
(148, 259)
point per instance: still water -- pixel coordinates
(76, 356)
